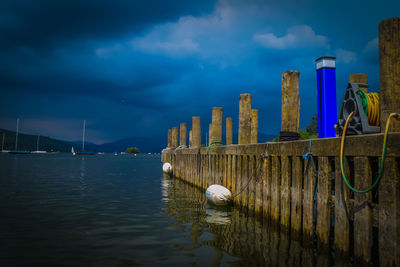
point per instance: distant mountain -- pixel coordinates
(153, 144)
(29, 142)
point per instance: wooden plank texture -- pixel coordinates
(296, 197)
(362, 210)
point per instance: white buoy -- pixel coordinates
(167, 168)
(218, 195)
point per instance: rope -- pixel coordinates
(213, 143)
(306, 156)
(395, 115)
(262, 157)
(370, 102)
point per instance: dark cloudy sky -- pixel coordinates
(137, 68)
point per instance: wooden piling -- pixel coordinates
(169, 138)
(183, 134)
(196, 132)
(290, 106)
(244, 119)
(190, 138)
(362, 210)
(254, 126)
(216, 125)
(286, 173)
(308, 201)
(389, 214)
(228, 130)
(296, 196)
(360, 78)
(342, 216)
(323, 201)
(389, 70)
(209, 134)
(275, 188)
(175, 137)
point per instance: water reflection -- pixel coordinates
(236, 238)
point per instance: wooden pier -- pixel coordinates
(307, 196)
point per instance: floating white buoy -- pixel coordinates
(167, 168)
(218, 195)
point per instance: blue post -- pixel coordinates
(326, 92)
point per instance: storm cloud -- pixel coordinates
(140, 67)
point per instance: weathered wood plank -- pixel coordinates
(342, 196)
(275, 188)
(266, 183)
(286, 173)
(245, 183)
(389, 214)
(259, 187)
(308, 194)
(362, 210)
(233, 175)
(252, 184)
(238, 183)
(323, 201)
(296, 197)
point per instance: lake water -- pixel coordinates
(106, 210)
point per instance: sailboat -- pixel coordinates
(83, 153)
(16, 151)
(37, 148)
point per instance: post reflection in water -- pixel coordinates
(236, 238)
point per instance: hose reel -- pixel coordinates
(366, 111)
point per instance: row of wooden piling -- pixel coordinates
(273, 180)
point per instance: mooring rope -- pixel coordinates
(262, 158)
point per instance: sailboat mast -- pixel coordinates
(2, 143)
(16, 135)
(83, 138)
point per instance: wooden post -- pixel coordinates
(244, 119)
(389, 214)
(169, 138)
(389, 70)
(290, 106)
(175, 137)
(362, 210)
(296, 196)
(216, 125)
(254, 126)
(228, 131)
(323, 201)
(196, 132)
(183, 133)
(342, 196)
(209, 134)
(190, 138)
(275, 188)
(286, 172)
(308, 198)
(267, 177)
(360, 78)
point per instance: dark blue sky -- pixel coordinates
(137, 68)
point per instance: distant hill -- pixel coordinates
(153, 144)
(29, 141)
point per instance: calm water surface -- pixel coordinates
(106, 210)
